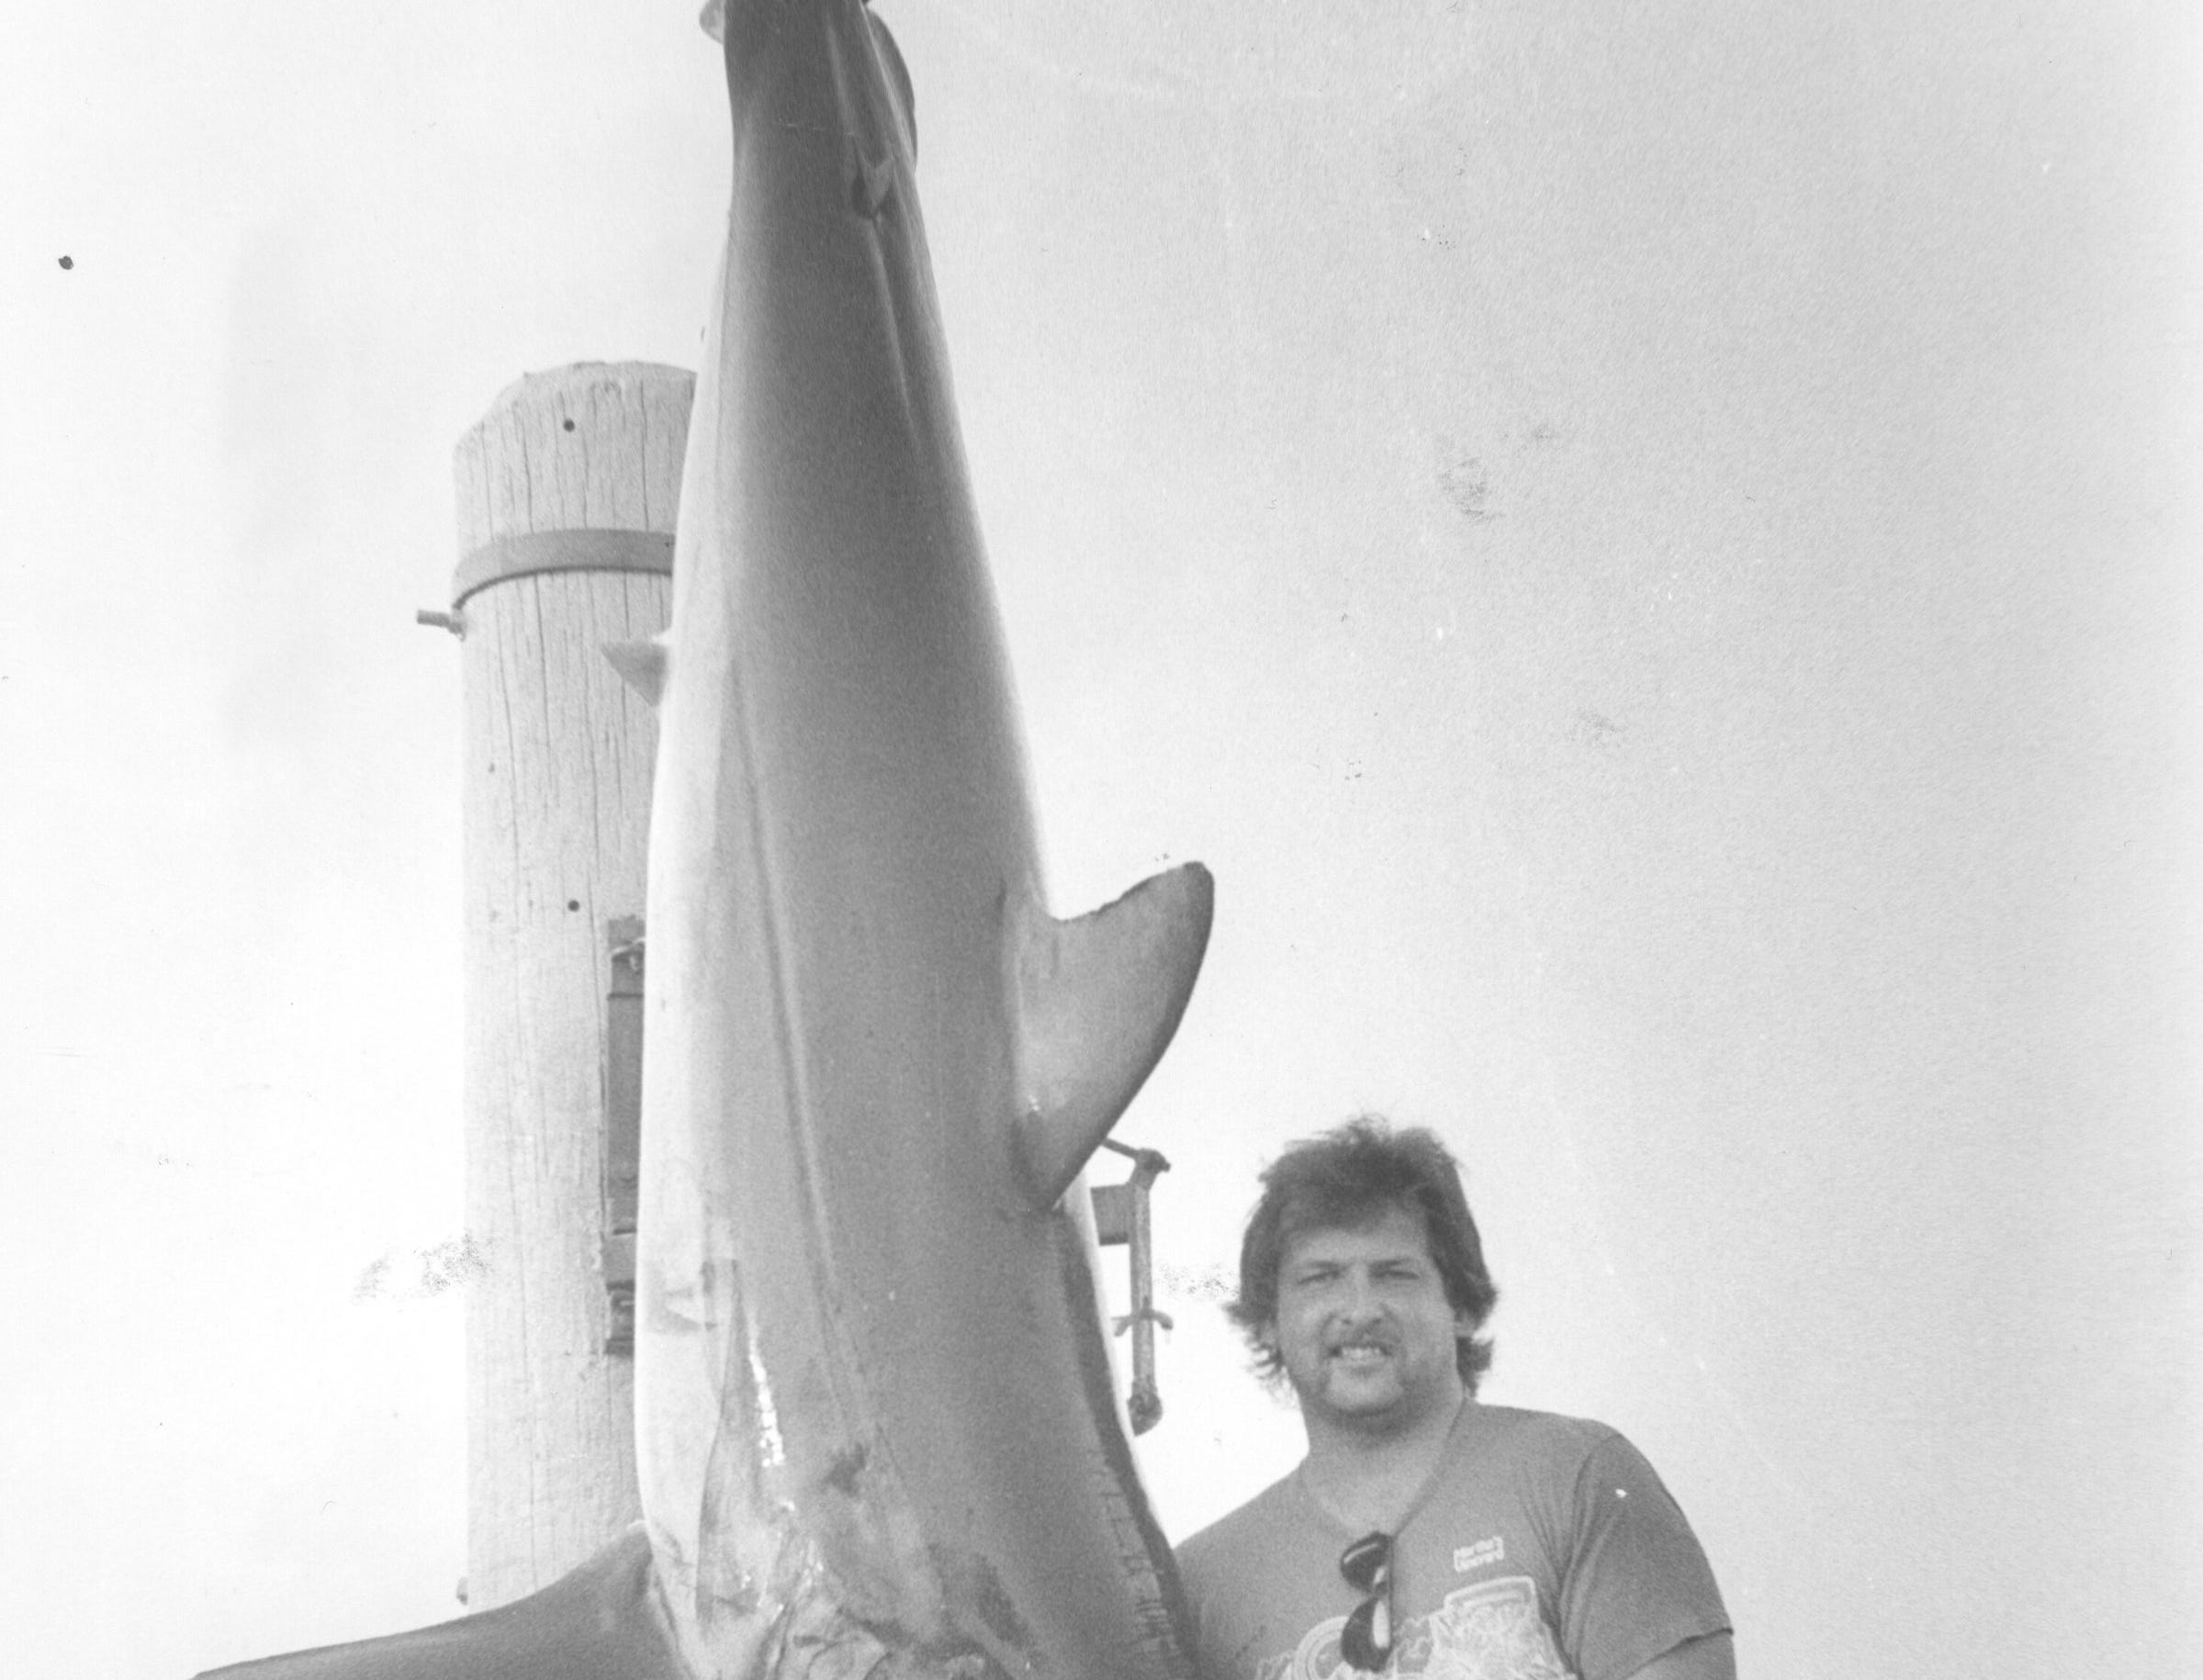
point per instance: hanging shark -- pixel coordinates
(876, 1429)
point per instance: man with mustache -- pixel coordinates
(1425, 1534)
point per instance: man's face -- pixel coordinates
(1364, 1328)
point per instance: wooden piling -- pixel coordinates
(568, 490)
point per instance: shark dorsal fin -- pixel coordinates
(1099, 999)
(642, 663)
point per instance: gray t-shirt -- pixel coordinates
(1545, 1548)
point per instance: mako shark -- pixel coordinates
(876, 1426)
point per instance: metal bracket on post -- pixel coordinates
(622, 1125)
(1120, 1215)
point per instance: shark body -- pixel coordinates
(876, 1428)
(866, 1326)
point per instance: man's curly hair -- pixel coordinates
(1347, 1179)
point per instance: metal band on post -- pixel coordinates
(526, 554)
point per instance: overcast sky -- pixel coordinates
(1652, 549)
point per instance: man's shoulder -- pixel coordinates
(1558, 1427)
(1552, 1439)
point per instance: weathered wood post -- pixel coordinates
(566, 494)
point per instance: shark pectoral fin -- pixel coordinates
(1099, 999)
(602, 1617)
(642, 663)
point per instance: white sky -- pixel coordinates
(1652, 549)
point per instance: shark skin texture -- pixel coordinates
(877, 1428)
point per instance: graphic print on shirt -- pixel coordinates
(1482, 1555)
(1488, 1631)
